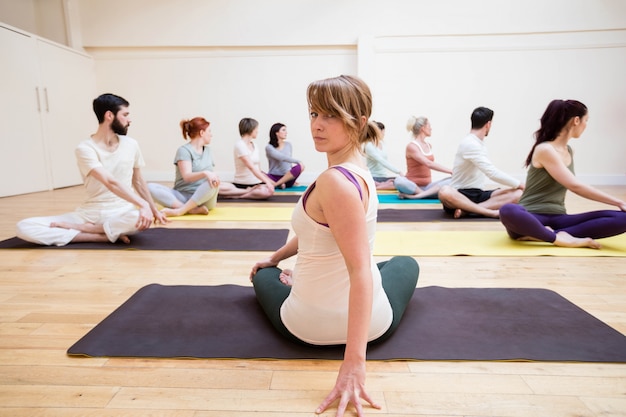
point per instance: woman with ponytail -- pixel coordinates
(196, 186)
(420, 161)
(337, 294)
(540, 214)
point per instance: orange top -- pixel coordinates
(417, 172)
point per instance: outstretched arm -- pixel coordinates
(257, 172)
(547, 157)
(188, 175)
(340, 206)
(372, 152)
(117, 188)
(480, 160)
(414, 153)
(274, 153)
(140, 185)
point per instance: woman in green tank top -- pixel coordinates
(540, 214)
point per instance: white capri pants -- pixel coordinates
(116, 222)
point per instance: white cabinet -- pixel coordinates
(45, 111)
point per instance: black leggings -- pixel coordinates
(399, 278)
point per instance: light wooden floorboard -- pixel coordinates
(49, 299)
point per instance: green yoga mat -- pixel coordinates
(486, 324)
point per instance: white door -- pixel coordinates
(68, 87)
(23, 165)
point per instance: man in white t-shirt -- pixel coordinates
(465, 194)
(118, 202)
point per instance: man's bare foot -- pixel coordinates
(566, 240)
(124, 239)
(458, 213)
(286, 277)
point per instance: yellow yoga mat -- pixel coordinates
(256, 214)
(429, 243)
(476, 243)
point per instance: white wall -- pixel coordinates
(227, 59)
(328, 22)
(223, 85)
(444, 78)
(45, 18)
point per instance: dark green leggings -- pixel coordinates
(399, 278)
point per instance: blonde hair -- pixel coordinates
(348, 98)
(415, 124)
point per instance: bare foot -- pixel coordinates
(199, 210)
(124, 239)
(492, 213)
(458, 213)
(566, 240)
(286, 277)
(175, 212)
(170, 212)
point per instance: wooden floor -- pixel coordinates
(49, 299)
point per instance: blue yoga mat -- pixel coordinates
(394, 199)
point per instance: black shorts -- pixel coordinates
(475, 195)
(246, 185)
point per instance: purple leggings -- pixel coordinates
(594, 224)
(295, 170)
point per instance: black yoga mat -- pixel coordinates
(162, 238)
(439, 324)
(423, 215)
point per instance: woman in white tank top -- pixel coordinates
(337, 294)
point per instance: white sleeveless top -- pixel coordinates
(316, 310)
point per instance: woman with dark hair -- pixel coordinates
(283, 169)
(540, 214)
(337, 294)
(196, 186)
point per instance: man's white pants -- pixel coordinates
(115, 222)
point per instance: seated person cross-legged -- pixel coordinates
(196, 186)
(248, 174)
(540, 214)
(337, 294)
(378, 163)
(420, 161)
(465, 194)
(283, 169)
